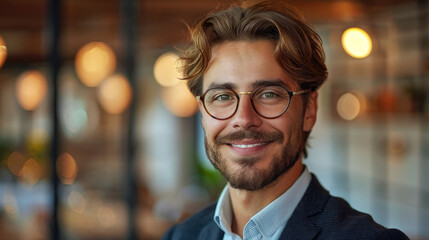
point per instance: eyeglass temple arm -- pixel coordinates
(301, 92)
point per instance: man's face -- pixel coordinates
(251, 151)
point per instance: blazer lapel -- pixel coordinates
(300, 225)
(211, 232)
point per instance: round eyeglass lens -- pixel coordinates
(271, 101)
(221, 103)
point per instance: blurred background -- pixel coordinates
(99, 140)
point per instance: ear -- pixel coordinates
(202, 113)
(200, 106)
(310, 112)
(202, 110)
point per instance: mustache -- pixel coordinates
(256, 135)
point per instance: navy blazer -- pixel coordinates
(317, 216)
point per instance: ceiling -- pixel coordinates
(160, 24)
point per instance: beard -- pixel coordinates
(248, 176)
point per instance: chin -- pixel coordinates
(253, 175)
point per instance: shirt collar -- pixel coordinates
(223, 212)
(273, 217)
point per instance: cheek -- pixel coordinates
(211, 126)
(295, 116)
(286, 125)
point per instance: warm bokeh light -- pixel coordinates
(363, 102)
(115, 94)
(348, 106)
(94, 62)
(66, 168)
(166, 69)
(31, 172)
(15, 162)
(106, 216)
(356, 42)
(31, 88)
(37, 140)
(179, 100)
(389, 99)
(76, 202)
(3, 52)
(10, 204)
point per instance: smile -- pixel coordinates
(247, 145)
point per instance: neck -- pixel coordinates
(246, 204)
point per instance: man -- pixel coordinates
(255, 71)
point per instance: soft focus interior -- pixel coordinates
(100, 140)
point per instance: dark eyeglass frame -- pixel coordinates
(291, 94)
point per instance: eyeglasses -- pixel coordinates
(268, 101)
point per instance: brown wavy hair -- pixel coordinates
(298, 48)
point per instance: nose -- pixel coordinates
(246, 117)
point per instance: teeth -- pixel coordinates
(247, 145)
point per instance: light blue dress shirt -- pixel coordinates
(267, 224)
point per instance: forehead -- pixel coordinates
(242, 63)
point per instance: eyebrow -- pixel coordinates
(265, 82)
(256, 84)
(222, 85)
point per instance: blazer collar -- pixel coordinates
(312, 203)
(211, 232)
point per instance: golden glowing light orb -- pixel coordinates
(348, 106)
(106, 216)
(3, 52)
(76, 202)
(31, 88)
(37, 140)
(10, 204)
(356, 42)
(66, 168)
(179, 100)
(31, 172)
(15, 162)
(115, 94)
(166, 69)
(94, 62)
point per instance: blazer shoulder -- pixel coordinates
(340, 219)
(195, 226)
